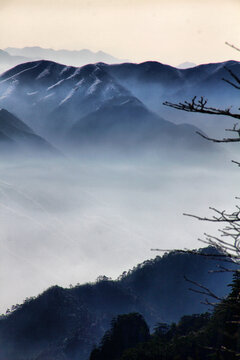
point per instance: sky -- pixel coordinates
(169, 31)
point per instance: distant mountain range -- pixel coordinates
(15, 56)
(153, 82)
(7, 61)
(113, 105)
(186, 65)
(65, 324)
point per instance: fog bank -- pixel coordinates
(66, 221)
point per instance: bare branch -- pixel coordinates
(207, 302)
(199, 106)
(231, 83)
(222, 216)
(224, 140)
(229, 242)
(234, 76)
(232, 46)
(203, 289)
(236, 162)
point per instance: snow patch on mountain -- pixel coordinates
(72, 91)
(79, 83)
(110, 91)
(66, 68)
(76, 72)
(32, 93)
(13, 77)
(93, 87)
(69, 95)
(44, 73)
(10, 89)
(55, 85)
(48, 96)
(125, 102)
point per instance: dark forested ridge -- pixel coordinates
(66, 323)
(195, 337)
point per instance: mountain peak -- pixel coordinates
(186, 65)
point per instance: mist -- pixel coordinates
(67, 220)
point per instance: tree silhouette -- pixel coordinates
(226, 319)
(229, 240)
(126, 332)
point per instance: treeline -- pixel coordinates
(214, 336)
(66, 323)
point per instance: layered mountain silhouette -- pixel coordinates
(69, 57)
(118, 105)
(95, 103)
(66, 323)
(127, 122)
(186, 65)
(16, 137)
(7, 61)
(153, 82)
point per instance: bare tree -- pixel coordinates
(201, 106)
(232, 46)
(229, 240)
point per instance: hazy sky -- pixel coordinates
(170, 31)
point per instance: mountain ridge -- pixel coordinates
(53, 98)
(70, 57)
(20, 138)
(53, 319)
(59, 96)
